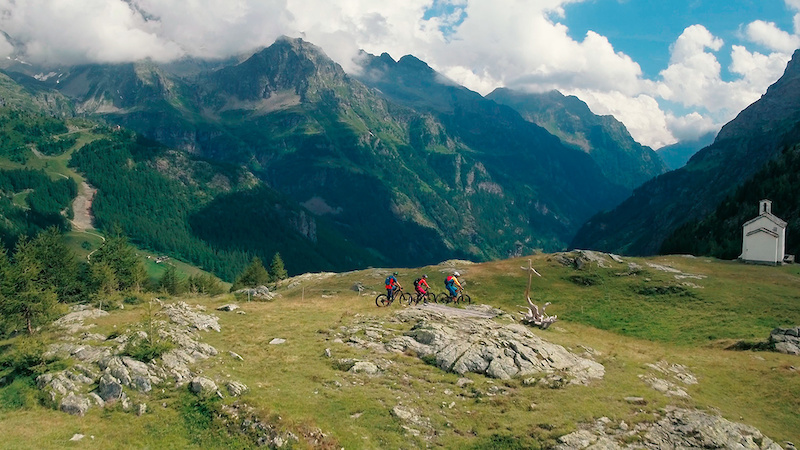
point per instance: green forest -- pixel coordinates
(720, 233)
(30, 202)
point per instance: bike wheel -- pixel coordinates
(464, 298)
(412, 299)
(382, 300)
(444, 297)
(406, 298)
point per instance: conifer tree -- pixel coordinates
(59, 265)
(121, 257)
(277, 269)
(27, 302)
(254, 275)
(170, 282)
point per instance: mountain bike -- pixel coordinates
(428, 297)
(461, 297)
(384, 300)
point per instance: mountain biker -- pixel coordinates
(421, 286)
(392, 285)
(452, 284)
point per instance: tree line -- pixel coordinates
(720, 233)
(43, 274)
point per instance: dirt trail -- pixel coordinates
(82, 207)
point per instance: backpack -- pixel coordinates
(448, 281)
(388, 282)
(416, 282)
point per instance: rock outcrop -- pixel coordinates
(676, 428)
(479, 345)
(786, 340)
(103, 363)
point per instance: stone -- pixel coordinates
(182, 314)
(235, 355)
(203, 386)
(141, 409)
(461, 382)
(76, 405)
(636, 400)
(277, 341)
(228, 307)
(327, 353)
(76, 437)
(677, 428)
(786, 340)
(96, 398)
(236, 388)
(109, 388)
(366, 367)
(402, 413)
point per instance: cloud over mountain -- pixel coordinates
(480, 43)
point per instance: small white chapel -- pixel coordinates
(764, 237)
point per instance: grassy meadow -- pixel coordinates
(627, 318)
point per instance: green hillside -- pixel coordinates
(604, 138)
(398, 181)
(634, 317)
(743, 147)
(720, 233)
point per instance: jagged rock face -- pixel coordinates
(678, 428)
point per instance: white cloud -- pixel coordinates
(693, 78)
(482, 44)
(641, 114)
(772, 37)
(91, 30)
(6, 49)
(691, 126)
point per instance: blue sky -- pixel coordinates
(670, 70)
(645, 29)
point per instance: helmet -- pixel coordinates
(394, 273)
(424, 276)
(456, 274)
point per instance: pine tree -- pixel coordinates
(104, 282)
(170, 282)
(27, 302)
(277, 269)
(59, 264)
(253, 276)
(121, 257)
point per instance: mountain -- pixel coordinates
(677, 155)
(759, 134)
(604, 138)
(452, 175)
(566, 180)
(719, 234)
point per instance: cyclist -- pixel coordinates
(392, 285)
(421, 286)
(452, 284)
